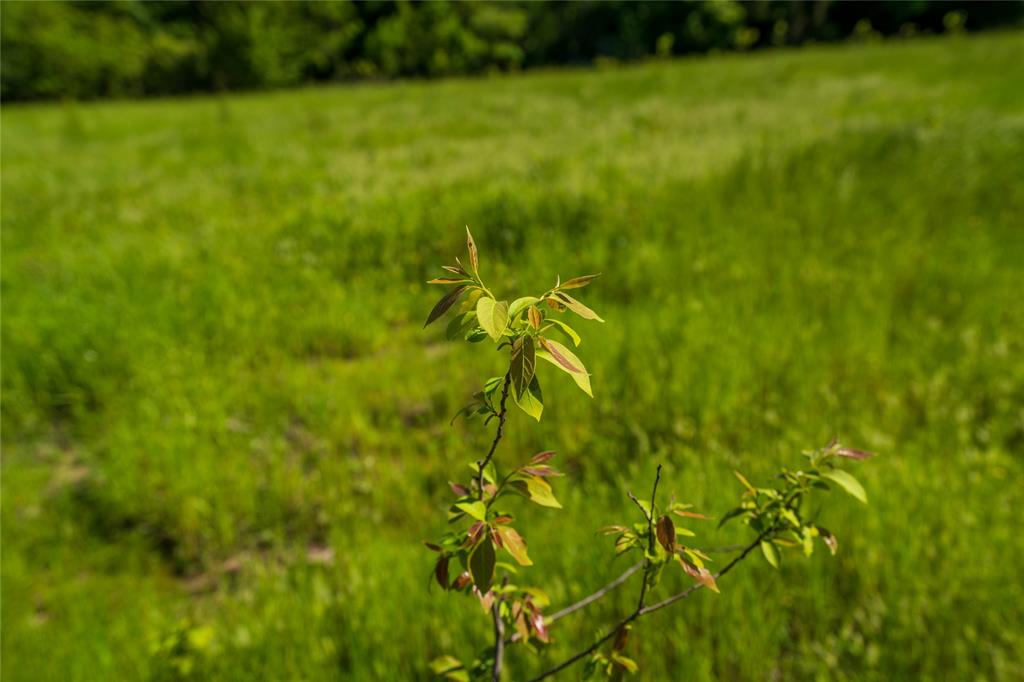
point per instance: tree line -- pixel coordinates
(130, 48)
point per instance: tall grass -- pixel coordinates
(213, 367)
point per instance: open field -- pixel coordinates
(214, 369)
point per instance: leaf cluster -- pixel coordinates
(530, 327)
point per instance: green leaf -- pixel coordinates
(481, 565)
(577, 307)
(458, 324)
(567, 330)
(771, 554)
(521, 304)
(624, 662)
(478, 510)
(446, 302)
(514, 545)
(524, 363)
(537, 490)
(581, 378)
(493, 316)
(450, 668)
(847, 482)
(532, 400)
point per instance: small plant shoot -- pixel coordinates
(485, 555)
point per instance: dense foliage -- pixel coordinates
(225, 429)
(130, 47)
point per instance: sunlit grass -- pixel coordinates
(213, 362)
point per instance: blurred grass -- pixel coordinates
(213, 366)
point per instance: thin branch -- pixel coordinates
(644, 610)
(588, 600)
(692, 588)
(499, 640)
(502, 414)
(650, 537)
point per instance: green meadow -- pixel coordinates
(225, 430)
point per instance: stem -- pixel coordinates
(644, 610)
(499, 640)
(650, 537)
(502, 415)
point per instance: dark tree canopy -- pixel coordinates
(134, 48)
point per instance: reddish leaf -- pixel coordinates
(445, 303)
(542, 457)
(471, 245)
(579, 282)
(522, 629)
(458, 489)
(431, 545)
(555, 304)
(667, 533)
(534, 316)
(557, 355)
(701, 575)
(854, 454)
(496, 539)
(504, 518)
(441, 572)
(539, 626)
(543, 471)
(620, 639)
(463, 580)
(473, 534)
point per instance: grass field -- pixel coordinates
(214, 372)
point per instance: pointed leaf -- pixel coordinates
(524, 364)
(441, 572)
(771, 554)
(567, 330)
(537, 490)
(514, 545)
(475, 509)
(847, 482)
(579, 282)
(853, 453)
(667, 533)
(534, 316)
(521, 304)
(474, 259)
(560, 353)
(698, 573)
(582, 378)
(492, 315)
(481, 565)
(577, 307)
(446, 302)
(532, 400)
(542, 457)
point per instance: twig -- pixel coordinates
(650, 536)
(499, 640)
(502, 414)
(644, 610)
(588, 600)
